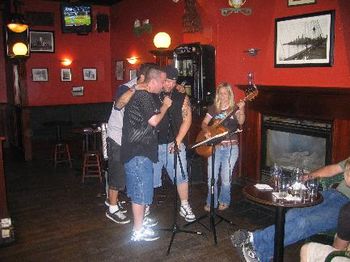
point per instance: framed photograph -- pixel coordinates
(42, 41)
(300, 2)
(304, 40)
(89, 74)
(119, 70)
(66, 75)
(132, 73)
(40, 74)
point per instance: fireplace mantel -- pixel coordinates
(330, 104)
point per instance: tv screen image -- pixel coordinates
(76, 18)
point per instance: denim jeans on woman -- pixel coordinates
(226, 157)
(301, 223)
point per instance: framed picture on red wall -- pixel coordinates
(42, 41)
(300, 2)
(40, 74)
(66, 75)
(119, 70)
(305, 40)
(89, 74)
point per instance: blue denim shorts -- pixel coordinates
(139, 180)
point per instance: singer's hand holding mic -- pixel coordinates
(167, 102)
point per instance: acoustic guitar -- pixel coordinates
(216, 128)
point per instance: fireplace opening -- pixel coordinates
(291, 142)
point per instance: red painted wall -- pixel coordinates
(86, 51)
(163, 15)
(230, 35)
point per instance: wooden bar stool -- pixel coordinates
(62, 154)
(92, 165)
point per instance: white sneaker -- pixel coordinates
(145, 234)
(149, 222)
(120, 204)
(186, 212)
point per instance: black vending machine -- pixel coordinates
(196, 66)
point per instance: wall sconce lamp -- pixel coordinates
(236, 8)
(132, 60)
(66, 62)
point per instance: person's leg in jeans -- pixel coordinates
(228, 159)
(157, 167)
(216, 174)
(301, 223)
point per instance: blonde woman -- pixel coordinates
(226, 153)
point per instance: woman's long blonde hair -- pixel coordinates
(231, 96)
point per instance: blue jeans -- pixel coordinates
(301, 223)
(139, 180)
(225, 157)
(166, 159)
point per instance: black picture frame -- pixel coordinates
(305, 40)
(42, 41)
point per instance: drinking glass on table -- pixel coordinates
(276, 173)
(284, 185)
(312, 185)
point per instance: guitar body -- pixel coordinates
(205, 151)
(217, 128)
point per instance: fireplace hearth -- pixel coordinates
(309, 123)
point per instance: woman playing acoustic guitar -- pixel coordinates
(229, 117)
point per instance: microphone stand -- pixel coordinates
(175, 227)
(212, 214)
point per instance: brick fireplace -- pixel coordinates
(327, 109)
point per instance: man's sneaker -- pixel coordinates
(240, 237)
(249, 253)
(145, 234)
(147, 210)
(117, 217)
(186, 212)
(120, 204)
(149, 222)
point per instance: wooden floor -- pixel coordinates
(57, 218)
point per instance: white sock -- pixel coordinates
(184, 202)
(113, 209)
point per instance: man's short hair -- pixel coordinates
(143, 69)
(153, 73)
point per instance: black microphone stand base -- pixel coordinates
(176, 229)
(212, 213)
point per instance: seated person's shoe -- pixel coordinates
(223, 207)
(117, 217)
(145, 234)
(247, 252)
(186, 212)
(240, 237)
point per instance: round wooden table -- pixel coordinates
(267, 198)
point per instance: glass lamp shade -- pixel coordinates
(162, 40)
(17, 28)
(20, 49)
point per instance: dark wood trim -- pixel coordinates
(3, 199)
(328, 104)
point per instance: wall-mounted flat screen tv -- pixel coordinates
(76, 18)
